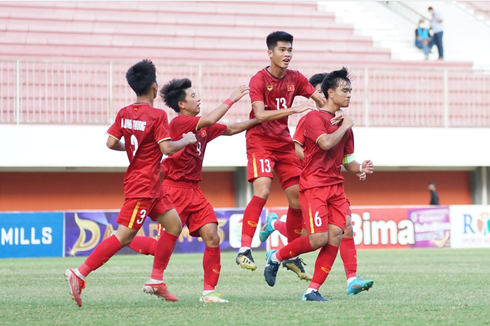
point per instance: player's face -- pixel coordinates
(282, 54)
(341, 95)
(192, 101)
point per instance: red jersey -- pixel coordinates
(299, 133)
(322, 168)
(276, 94)
(186, 164)
(143, 128)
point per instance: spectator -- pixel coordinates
(422, 38)
(438, 29)
(434, 197)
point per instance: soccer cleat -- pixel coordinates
(245, 260)
(267, 229)
(271, 268)
(212, 297)
(160, 290)
(313, 296)
(358, 285)
(296, 265)
(76, 285)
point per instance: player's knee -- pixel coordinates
(318, 240)
(174, 228)
(349, 231)
(212, 241)
(262, 192)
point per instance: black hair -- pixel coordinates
(317, 79)
(174, 91)
(430, 8)
(432, 183)
(332, 80)
(141, 76)
(278, 36)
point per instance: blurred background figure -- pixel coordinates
(437, 26)
(422, 38)
(434, 197)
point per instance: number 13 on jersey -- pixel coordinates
(281, 103)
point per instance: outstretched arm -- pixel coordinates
(115, 144)
(268, 115)
(214, 116)
(238, 127)
(169, 147)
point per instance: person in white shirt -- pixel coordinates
(437, 26)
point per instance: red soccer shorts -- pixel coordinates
(347, 207)
(135, 210)
(194, 209)
(285, 164)
(322, 206)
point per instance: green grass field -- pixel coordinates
(412, 287)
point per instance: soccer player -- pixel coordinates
(347, 249)
(270, 148)
(322, 194)
(182, 172)
(146, 136)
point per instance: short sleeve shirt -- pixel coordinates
(186, 164)
(142, 127)
(323, 168)
(299, 133)
(276, 94)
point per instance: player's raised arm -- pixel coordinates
(169, 147)
(215, 115)
(238, 127)
(267, 115)
(115, 144)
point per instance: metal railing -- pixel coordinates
(54, 92)
(405, 11)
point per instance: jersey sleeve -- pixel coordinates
(215, 131)
(183, 124)
(257, 88)
(115, 130)
(349, 145)
(299, 133)
(304, 88)
(314, 127)
(161, 129)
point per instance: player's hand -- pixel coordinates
(361, 176)
(238, 93)
(367, 166)
(190, 137)
(303, 107)
(348, 122)
(339, 116)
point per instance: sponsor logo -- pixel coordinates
(384, 232)
(269, 88)
(326, 270)
(482, 226)
(252, 223)
(298, 231)
(216, 271)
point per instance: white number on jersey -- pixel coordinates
(281, 103)
(265, 165)
(198, 148)
(134, 142)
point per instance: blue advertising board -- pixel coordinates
(31, 234)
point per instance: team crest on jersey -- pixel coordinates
(290, 88)
(269, 88)
(203, 132)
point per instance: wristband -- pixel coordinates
(228, 102)
(360, 168)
